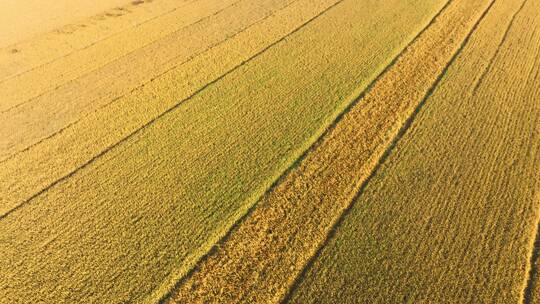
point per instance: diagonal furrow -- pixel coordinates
(383, 158)
(450, 214)
(184, 180)
(55, 87)
(492, 59)
(298, 161)
(89, 45)
(173, 67)
(163, 114)
(268, 250)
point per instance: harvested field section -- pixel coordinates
(50, 160)
(128, 223)
(28, 54)
(259, 261)
(451, 215)
(52, 111)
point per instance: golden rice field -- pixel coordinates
(270, 151)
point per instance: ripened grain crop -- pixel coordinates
(128, 46)
(27, 117)
(270, 151)
(452, 213)
(260, 260)
(49, 160)
(187, 169)
(23, 20)
(80, 34)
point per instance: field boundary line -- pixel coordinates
(191, 58)
(304, 154)
(165, 113)
(88, 46)
(51, 89)
(503, 40)
(409, 121)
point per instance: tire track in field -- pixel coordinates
(218, 258)
(492, 59)
(91, 44)
(176, 66)
(163, 114)
(384, 157)
(123, 56)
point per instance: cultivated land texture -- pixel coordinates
(242, 151)
(468, 165)
(22, 20)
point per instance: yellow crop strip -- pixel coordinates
(270, 151)
(451, 215)
(49, 160)
(23, 19)
(260, 260)
(145, 196)
(109, 58)
(78, 34)
(31, 122)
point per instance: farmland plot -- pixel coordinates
(261, 258)
(133, 213)
(452, 213)
(28, 121)
(23, 19)
(27, 52)
(49, 160)
(270, 151)
(116, 51)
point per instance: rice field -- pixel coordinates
(270, 151)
